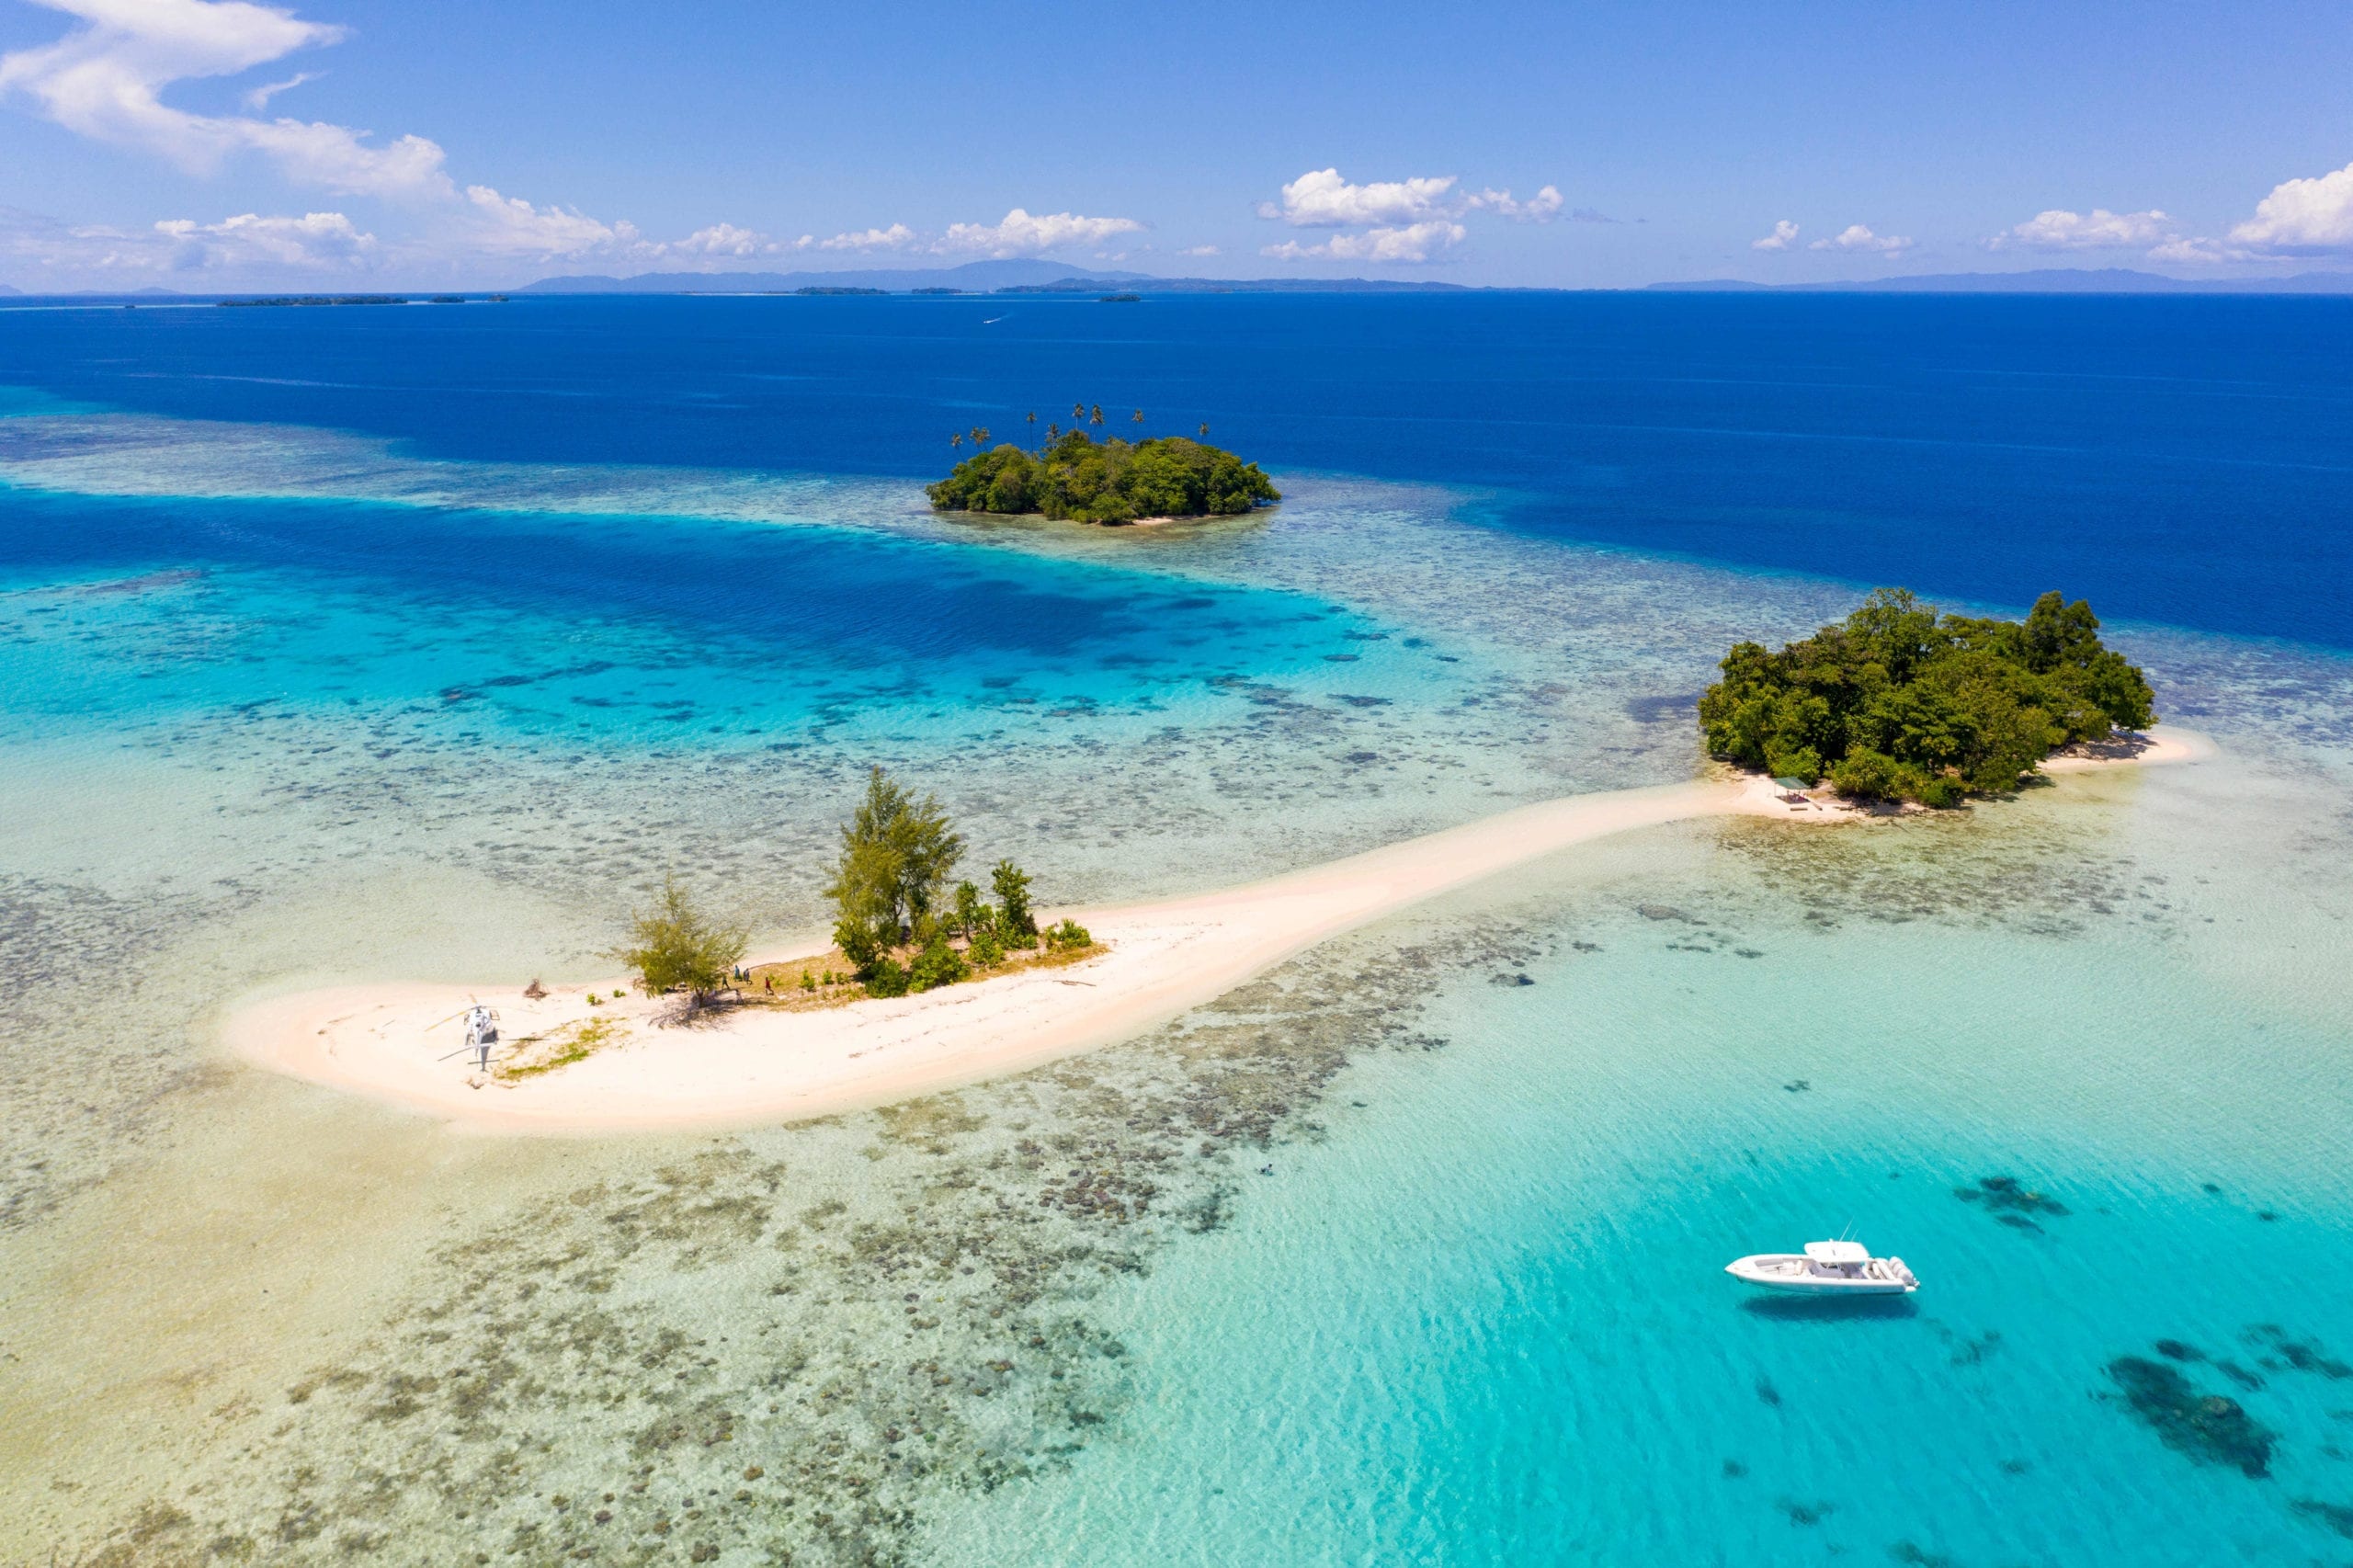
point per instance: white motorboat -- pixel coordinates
(1826, 1269)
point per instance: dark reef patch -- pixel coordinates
(2209, 1427)
(2012, 1203)
(2298, 1354)
(2336, 1515)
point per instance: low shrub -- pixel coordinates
(885, 978)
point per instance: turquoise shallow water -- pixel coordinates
(282, 705)
(1479, 1318)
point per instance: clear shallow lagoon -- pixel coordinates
(411, 643)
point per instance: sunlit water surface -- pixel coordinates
(1409, 1253)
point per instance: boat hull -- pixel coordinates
(1798, 1275)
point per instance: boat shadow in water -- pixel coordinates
(1829, 1309)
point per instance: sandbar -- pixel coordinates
(394, 1044)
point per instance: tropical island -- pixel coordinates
(899, 927)
(1110, 482)
(1899, 703)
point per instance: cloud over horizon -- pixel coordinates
(1858, 237)
(1409, 220)
(2058, 230)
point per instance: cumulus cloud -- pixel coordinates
(66, 255)
(104, 80)
(1858, 237)
(1407, 221)
(2199, 252)
(1199, 250)
(1321, 198)
(510, 226)
(1541, 208)
(1784, 236)
(898, 236)
(1411, 243)
(2058, 230)
(315, 240)
(1022, 235)
(2302, 216)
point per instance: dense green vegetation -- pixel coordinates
(1896, 703)
(673, 946)
(1107, 482)
(897, 921)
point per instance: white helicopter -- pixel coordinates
(481, 1033)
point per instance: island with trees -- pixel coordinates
(1074, 476)
(900, 924)
(1897, 702)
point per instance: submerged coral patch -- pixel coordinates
(2011, 1202)
(2210, 1429)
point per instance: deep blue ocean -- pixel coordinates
(2182, 460)
(350, 645)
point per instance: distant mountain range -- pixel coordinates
(975, 276)
(2043, 280)
(1056, 278)
(972, 278)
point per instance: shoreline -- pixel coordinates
(387, 1042)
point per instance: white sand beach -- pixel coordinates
(394, 1044)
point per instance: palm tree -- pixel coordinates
(1205, 429)
(1099, 415)
(980, 435)
(1053, 432)
(955, 440)
(1033, 423)
(1139, 416)
(1077, 412)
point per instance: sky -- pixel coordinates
(352, 144)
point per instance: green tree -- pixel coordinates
(897, 853)
(674, 946)
(971, 912)
(1012, 887)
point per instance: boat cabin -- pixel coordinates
(1845, 1258)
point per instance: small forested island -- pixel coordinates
(1899, 703)
(1113, 482)
(900, 924)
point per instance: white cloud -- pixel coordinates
(1321, 199)
(105, 81)
(1784, 236)
(1022, 235)
(1199, 250)
(246, 245)
(510, 226)
(1413, 243)
(723, 240)
(2199, 252)
(1541, 208)
(315, 240)
(1858, 237)
(2098, 230)
(2302, 216)
(898, 236)
(258, 99)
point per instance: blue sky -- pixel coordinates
(430, 142)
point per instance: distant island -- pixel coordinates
(1896, 703)
(1111, 482)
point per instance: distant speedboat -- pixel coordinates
(1826, 1269)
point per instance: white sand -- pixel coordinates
(392, 1044)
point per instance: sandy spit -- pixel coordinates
(395, 1044)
